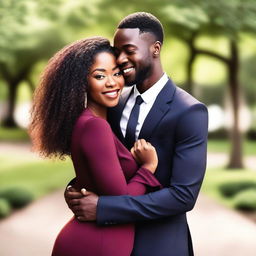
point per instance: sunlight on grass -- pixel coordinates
(223, 146)
(15, 160)
(39, 177)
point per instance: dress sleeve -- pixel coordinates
(99, 149)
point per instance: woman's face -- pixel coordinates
(105, 81)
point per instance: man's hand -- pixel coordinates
(82, 203)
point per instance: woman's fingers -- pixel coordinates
(135, 146)
(132, 151)
(141, 145)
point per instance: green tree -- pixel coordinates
(189, 20)
(227, 19)
(32, 31)
(25, 39)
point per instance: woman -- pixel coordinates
(86, 71)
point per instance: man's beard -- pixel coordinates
(141, 75)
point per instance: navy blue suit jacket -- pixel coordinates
(177, 125)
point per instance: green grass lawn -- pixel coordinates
(223, 146)
(38, 176)
(13, 135)
(216, 176)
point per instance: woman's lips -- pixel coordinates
(112, 93)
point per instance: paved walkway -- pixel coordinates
(32, 230)
(216, 230)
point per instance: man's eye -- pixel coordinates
(130, 52)
(99, 77)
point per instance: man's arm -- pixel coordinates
(76, 199)
(188, 170)
(189, 163)
(107, 172)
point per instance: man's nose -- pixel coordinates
(122, 58)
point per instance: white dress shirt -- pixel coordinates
(149, 97)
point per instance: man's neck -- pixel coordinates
(157, 73)
(148, 83)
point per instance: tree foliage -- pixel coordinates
(188, 20)
(32, 31)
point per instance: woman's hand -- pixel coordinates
(145, 154)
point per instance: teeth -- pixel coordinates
(111, 93)
(127, 70)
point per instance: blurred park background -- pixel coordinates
(209, 50)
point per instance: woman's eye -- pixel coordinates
(118, 74)
(99, 77)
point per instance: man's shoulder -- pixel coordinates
(184, 99)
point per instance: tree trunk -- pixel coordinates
(12, 94)
(190, 63)
(190, 83)
(236, 159)
(13, 82)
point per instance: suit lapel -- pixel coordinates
(158, 110)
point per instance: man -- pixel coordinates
(172, 121)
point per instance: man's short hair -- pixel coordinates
(145, 22)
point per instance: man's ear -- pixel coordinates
(156, 47)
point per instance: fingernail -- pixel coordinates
(68, 187)
(83, 191)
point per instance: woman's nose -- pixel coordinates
(111, 82)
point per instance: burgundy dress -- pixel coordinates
(102, 165)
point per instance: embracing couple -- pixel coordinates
(139, 155)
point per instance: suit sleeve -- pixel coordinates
(99, 149)
(189, 163)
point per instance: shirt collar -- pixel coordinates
(151, 94)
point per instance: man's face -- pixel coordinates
(134, 54)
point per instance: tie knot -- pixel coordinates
(139, 100)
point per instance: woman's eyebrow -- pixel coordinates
(103, 70)
(98, 69)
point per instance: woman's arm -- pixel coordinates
(99, 149)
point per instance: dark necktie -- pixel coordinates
(132, 123)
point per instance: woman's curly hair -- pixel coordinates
(61, 95)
